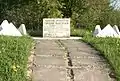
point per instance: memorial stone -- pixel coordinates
(22, 29)
(56, 27)
(115, 27)
(97, 30)
(108, 31)
(9, 29)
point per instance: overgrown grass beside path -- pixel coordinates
(14, 52)
(110, 48)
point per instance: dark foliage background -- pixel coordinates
(86, 13)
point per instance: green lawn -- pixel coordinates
(14, 52)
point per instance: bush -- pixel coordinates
(35, 33)
(14, 54)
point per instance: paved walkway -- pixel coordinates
(68, 60)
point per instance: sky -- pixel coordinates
(117, 3)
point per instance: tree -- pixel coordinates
(87, 13)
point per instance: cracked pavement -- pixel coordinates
(69, 60)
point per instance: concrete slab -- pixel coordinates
(78, 62)
(40, 38)
(84, 55)
(50, 52)
(50, 61)
(84, 63)
(49, 74)
(95, 75)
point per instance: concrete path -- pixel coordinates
(68, 60)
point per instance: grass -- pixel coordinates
(14, 52)
(109, 47)
(79, 32)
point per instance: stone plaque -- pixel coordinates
(56, 27)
